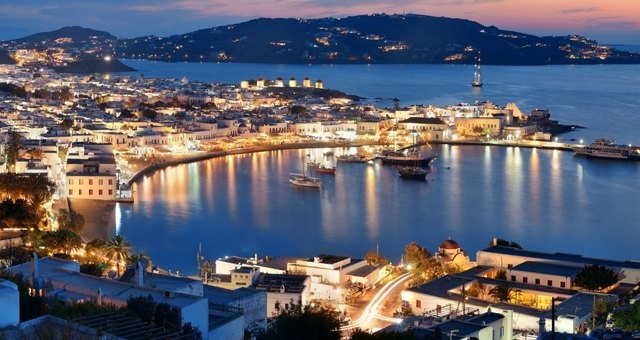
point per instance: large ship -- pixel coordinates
(606, 148)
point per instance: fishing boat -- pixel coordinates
(323, 169)
(477, 74)
(413, 172)
(358, 158)
(302, 180)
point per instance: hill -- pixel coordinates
(376, 38)
(369, 39)
(69, 36)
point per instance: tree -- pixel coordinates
(595, 277)
(304, 322)
(501, 274)
(423, 266)
(297, 109)
(13, 147)
(66, 124)
(134, 258)
(12, 255)
(142, 306)
(150, 114)
(62, 241)
(93, 268)
(501, 292)
(95, 250)
(375, 259)
(118, 249)
(628, 318)
(70, 220)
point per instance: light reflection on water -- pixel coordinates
(241, 205)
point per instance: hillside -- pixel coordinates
(366, 39)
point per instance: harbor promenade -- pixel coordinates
(132, 168)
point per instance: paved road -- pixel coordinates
(370, 316)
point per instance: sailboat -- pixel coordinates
(477, 74)
(302, 180)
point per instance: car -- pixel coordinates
(634, 299)
(635, 335)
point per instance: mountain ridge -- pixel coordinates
(378, 38)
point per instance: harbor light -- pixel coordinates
(107, 58)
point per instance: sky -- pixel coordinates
(607, 21)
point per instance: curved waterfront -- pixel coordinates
(242, 204)
(544, 199)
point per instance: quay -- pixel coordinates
(139, 167)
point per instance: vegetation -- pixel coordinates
(422, 265)
(118, 249)
(595, 277)
(70, 220)
(62, 241)
(304, 322)
(628, 319)
(502, 292)
(34, 190)
(374, 258)
(13, 255)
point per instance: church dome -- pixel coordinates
(449, 244)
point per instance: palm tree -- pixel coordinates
(13, 147)
(118, 249)
(501, 292)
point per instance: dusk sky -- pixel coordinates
(608, 21)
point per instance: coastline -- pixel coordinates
(143, 168)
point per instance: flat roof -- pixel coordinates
(547, 268)
(562, 257)
(329, 259)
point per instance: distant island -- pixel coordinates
(363, 39)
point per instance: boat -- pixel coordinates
(477, 74)
(302, 180)
(323, 169)
(358, 158)
(606, 148)
(413, 172)
(410, 157)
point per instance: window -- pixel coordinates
(525, 279)
(537, 281)
(549, 283)
(100, 192)
(418, 304)
(71, 194)
(70, 181)
(80, 192)
(90, 192)
(110, 192)
(80, 181)
(100, 182)
(562, 284)
(110, 181)
(513, 277)
(90, 181)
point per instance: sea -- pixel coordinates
(545, 200)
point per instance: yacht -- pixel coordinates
(606, 148)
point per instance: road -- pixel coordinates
(370, 317)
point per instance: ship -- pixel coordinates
(606, 148)
(410, 157)
(477, 74)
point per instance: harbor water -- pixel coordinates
(543, 199)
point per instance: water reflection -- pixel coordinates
(244, 204)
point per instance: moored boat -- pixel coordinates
(359, 158)
(410, 157)
(322, 169)
(606, 148)
(413, 172)
(302, 180)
